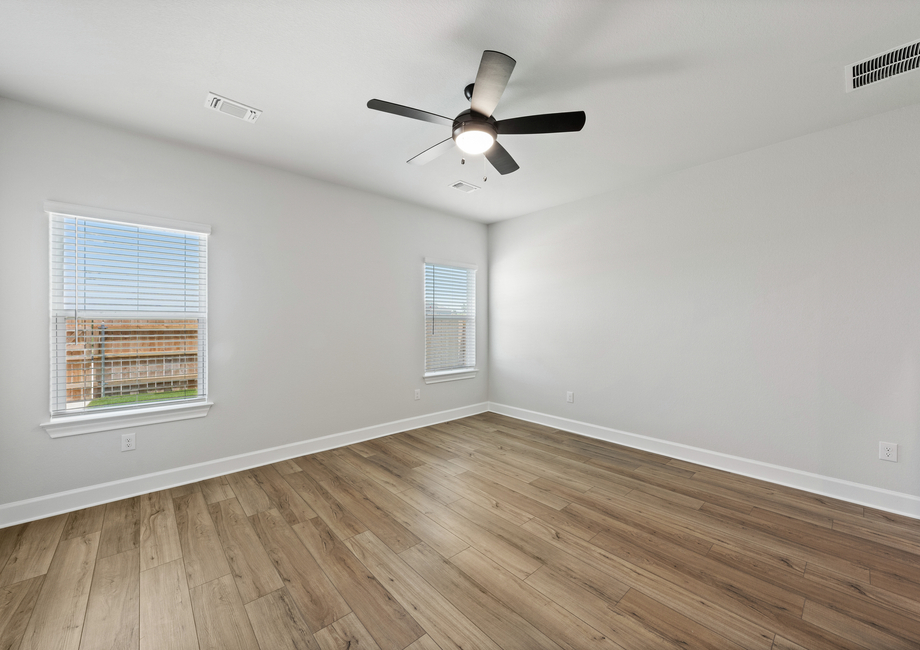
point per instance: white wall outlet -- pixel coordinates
(418, 393)
(570, 397)
(888, 451)
(127, 442)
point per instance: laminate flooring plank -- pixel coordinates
(216, 489)
(384, 501)
(855, 549)
(183, 490)
(425, 529)
(484, 473)
(857, 606)
(724, 621)
(406, 479)
(346, 634)
(282, 496)
(908, 544)
(909, 523)
(443, 440)
(250, 494)
(112, 615)
(443, 622)
(327, 507)
(417, 440)
(309, 587)
(58, 616)
(384, 447)
(856, 631)
(314, 469)
(782, 643)
(388, 473)
(611, 511)
(159, 533)
(503, 625)
(557, 475)
(286, 466)
(277, 623)
(83, 522)
(16, 604)
(882, 597)
(167, 622)
(396, 536)
(600, 614)
(470, 492)
(482, 464)
(202, 553)
(424, 643)
(575, 523)
(121, 529)
(676, 628)
(895, 584)
(250, 566)
(220, 618)
(556, 622)
(423, 456)
(514, 560)
(392, 627)
(30, 548)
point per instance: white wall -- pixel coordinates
(316, 315)
(765, 306)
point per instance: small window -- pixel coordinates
(128, 314)
(450, 321)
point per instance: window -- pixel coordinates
(128, 319)
(450, 321)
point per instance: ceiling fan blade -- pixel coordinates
(494, 72)
(432, 152)
(501, 159)
(405, 111)
(548, 123)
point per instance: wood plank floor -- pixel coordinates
(485, 532)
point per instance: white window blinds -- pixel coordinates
(450, 318)
(128, 315)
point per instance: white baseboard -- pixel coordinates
(54, 504)
(865, 495)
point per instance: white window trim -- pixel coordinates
(73, 210)
(450, 375)
(73, 425)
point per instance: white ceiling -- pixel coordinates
(665, 84)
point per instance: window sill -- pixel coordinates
(450, 375)
(75, 425)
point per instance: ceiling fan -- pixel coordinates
(476, 130)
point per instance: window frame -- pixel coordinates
(454, 374)
(60, 425)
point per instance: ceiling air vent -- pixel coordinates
(230, 107)
(888, 64)
(463, 186)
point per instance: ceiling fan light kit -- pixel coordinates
(476, 130)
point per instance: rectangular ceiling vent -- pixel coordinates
(888, 64)
(232, 108)
(463, 186)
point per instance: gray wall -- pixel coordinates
(765, 306)
(316, 316)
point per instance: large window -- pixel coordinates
(128, 312)
(450, 321)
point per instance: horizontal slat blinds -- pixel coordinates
(450, 318)
(128, 315)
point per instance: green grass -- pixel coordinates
(147, 397)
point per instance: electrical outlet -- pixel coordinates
(888, 451)
(418, 393)
(127, 442)
(570, 397)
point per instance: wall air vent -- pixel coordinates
(230, 107)
(887, 64)
(463, 186)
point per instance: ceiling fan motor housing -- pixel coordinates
(473, 121)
